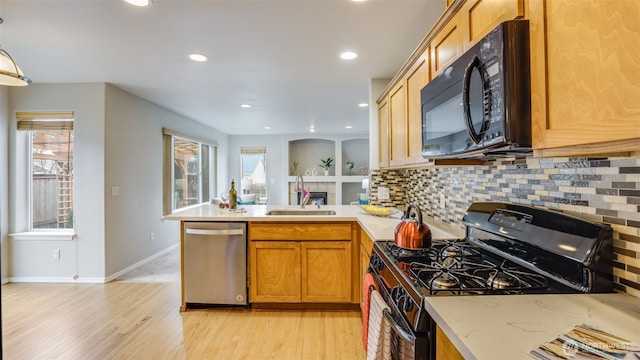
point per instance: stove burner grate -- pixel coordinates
(453, 276)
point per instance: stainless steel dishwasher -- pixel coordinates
(215, 263)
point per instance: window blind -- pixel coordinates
(253, 150)
(45, 121)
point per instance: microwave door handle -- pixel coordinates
(466, 81)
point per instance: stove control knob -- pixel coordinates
(402, 295)
(408, 304)
(376, 263)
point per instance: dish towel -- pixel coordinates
(379, 337)
(366, 294)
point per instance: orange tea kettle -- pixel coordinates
(411, 233)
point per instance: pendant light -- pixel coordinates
(10, 73)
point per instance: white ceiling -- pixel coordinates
(279, 56)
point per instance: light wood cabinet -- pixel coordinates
(300, 263)
(417, 78)
(446, 45)
(398, 125)
(366, 245)
(445, 350)
(402, 112)
(479, 17)
(383, 133)
(585, 77)
(326, 268)
(274, 271)
(585, 93)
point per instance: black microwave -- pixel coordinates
(480, 105)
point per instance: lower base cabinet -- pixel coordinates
(445, 350)
(288, 267)
(275, 271)
(366, 244)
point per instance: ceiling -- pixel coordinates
(281, 57)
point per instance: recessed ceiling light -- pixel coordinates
(246, 106)
(363, 105)
(198, 57)
(139, 2)
(267, 127)
(348, 127)
(348, 55)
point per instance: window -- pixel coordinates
(253, 162)
(50, 168)
(189, 171)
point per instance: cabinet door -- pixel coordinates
(446, 45)
(482, 16)
(417, 78)
(584, 77)
(398, 125)
(366, 244)
(383, 133)
(445, 350)
(275, 271)
(326, 271)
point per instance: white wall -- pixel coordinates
(85, 256)
(118, 142)
(133, 162)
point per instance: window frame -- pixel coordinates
(27, 123)
(255, 150)
(169, 185)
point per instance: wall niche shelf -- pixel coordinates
(341, 184)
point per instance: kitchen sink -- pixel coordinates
(289, 212)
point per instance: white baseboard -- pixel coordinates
(142, 262)
(59, 280)
(86, 280)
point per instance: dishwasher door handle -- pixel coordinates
(210, 232)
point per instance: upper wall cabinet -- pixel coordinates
(585, 76)
(383, 133)
(398, 125)
(474, 20)
(447, 44)
(585, 93)
(400, 116)
(482, 16)
(417, 78)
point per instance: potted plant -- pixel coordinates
(350, 166)
(326, 165)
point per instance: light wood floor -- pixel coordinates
(127, 320)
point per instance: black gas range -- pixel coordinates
(508, 249)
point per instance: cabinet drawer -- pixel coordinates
(303, 231)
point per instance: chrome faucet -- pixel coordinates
(299, 187)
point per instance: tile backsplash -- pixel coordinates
(597, 189)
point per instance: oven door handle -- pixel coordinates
(397, 328)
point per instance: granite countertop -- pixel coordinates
(507, 327)
(378, 228)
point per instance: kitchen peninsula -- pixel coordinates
(469, 327)
(302, 257)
